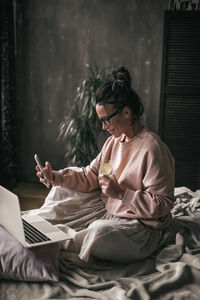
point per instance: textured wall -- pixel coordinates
(54, 41)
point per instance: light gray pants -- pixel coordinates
(95, 232)
(115, 239)
(118, 240)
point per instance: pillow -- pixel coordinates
(20, 263)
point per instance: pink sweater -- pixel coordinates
(144, 167)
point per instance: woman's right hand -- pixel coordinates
(47, 172)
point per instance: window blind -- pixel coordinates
(179, 124)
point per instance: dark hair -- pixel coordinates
(116, 90)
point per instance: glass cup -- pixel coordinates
(106, 168)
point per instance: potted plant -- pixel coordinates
(81, 129)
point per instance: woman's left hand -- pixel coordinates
(110, 186)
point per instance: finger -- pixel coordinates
(103, 182)
(39, 174)
(113, 178)
(47, 184)
(47, 170)
(102, 176)
(104, 190)
(48, 165)
(42, 180)
(37, 168)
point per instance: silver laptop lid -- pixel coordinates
(10, 215)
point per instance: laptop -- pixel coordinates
(29, 230)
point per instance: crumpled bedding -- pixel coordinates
(173, 272)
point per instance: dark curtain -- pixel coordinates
(8, 95)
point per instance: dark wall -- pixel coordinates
(54, 41)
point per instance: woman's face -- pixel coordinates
(119, 123)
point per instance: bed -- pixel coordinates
(173, 272)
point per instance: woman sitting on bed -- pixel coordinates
(138, 194)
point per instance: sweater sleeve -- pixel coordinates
(83, 179)
(156, 198)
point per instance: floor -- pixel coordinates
(31, 195)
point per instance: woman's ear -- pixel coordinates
(127, 112)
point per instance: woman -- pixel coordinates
(138, 195)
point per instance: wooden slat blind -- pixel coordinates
(179, 124)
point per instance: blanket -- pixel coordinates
(173, 272)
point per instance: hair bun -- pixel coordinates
(121, 77)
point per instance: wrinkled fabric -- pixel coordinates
(20, 263)
(74, 209)
(171, 272)
(102, 235)
(119, 240)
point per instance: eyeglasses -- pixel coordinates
(105, 120)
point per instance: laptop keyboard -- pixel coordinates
(33, 235)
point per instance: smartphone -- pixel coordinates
(41, 167)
